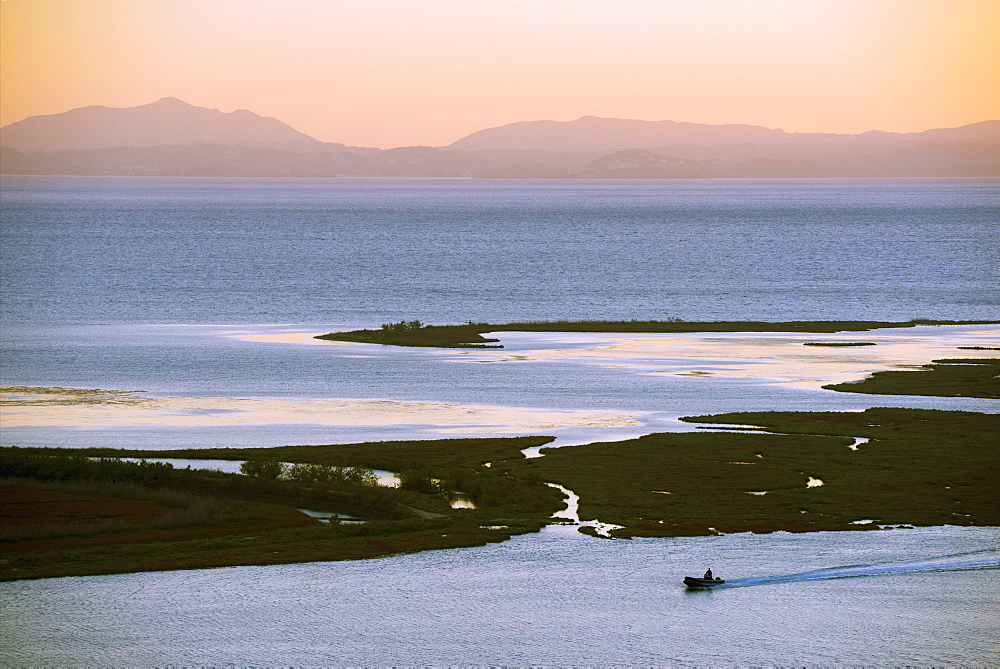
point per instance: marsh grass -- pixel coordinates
(949, 377)
(162, 496)
(393, 456)
(88, 530)
(164, 508)
(470, 334)
(919, 467)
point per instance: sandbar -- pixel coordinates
(82, 408)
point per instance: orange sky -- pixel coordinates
(404, 72)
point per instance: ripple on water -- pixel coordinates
(557, 597)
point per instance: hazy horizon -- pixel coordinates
(160, 124)
(387, 74)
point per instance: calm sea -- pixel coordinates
(91, 250)
(155, 285)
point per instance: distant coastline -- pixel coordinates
(170, 137)
(939, 160)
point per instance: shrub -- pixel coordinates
(420, 480)
(263, 469)
(337, 476)
(401, 326)
(58, 467)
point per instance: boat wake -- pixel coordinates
(987, 559)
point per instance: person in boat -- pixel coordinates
(708, 575)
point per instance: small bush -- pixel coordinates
(420, 480)
(336, 476)
(402, 326)
(263, 469)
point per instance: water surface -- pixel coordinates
(183, 289)
(918, 597)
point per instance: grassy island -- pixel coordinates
(470, 335)
(949, 377)
(75, 512)
(67, 515)
(808, 473)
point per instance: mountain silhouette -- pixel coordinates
(168, 121)
(172, 138)
(595, 134)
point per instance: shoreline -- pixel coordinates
(797, 472)
(686, 363)
(470, 335)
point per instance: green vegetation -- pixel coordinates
(395, 456)
(274, 534)
(129, 512)
(950, 377)
(405, 334)
(55, 464)
(919, 467)
(65, 514)
(264, 469)
(309, 473)
(470, 335)
(69, 515)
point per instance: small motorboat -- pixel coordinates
(692, 582)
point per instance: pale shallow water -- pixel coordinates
(917, 596)
(576, 387)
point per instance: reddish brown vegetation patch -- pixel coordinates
(41, 506)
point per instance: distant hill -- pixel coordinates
(594, 134)
(172, 138)
(168, 121)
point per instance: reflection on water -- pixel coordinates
(578, 388)
(777, 357)
(179, 412)
(387, 479)
(228, 466)
(572, 513)
(329, 517)
(461, 501)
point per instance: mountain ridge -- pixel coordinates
(593, 133)
(168, 121)
(170, 137)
